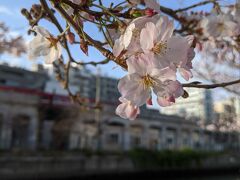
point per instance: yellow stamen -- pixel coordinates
(53, 41)
(148, 81)
(220, 26)
(160, 48)
(135, 33)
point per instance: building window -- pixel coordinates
(3, 81)
(113, 139)
(185, 141)
(135, 141)
(169, 141)
(20, 132)
(153, 144)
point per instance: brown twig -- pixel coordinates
(195, 5)
(108, 54)
(94, 13)
(211, 86)
(170, 12)
(213, 81)
(93, 63)
(67, 67)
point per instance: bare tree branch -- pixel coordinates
(195, 5)
(211, 86)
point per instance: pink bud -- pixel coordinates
(149, 12)
(92, 18)
(171, 99)
(149, 101)
(70, 37)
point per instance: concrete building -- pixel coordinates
(198, 106)
(17, 77)
(231, 104)
(34, 117)
(108, 89)
(19, 102)
(80, 80)
(83, 82)
(227, 114)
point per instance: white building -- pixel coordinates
(31, 118)
(228, 112)
(198, 106)
(79, 80)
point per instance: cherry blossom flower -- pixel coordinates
(185, 67)
(169, 51)
(221, 25)
(236, 12)
(130, 39)
(144, 77)
(173, 90)
(219, 52)
(124, 40)
(44, 44)
(127, 110)
(153, 57)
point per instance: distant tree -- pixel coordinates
(9, 44)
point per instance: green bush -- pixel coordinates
(168, 158)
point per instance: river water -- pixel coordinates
(211, 178)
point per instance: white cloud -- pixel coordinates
(5, 10)
(14, 33)
(13, 61)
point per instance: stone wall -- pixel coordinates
(21, 167)
(17, 108)
(66, 166)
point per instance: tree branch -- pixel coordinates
(108, 54)
(195, 5)
(211, 86)
(93, 63)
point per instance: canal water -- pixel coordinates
(182, 178)
(209, 178)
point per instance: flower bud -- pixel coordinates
(36, 10)
(149, 101)
(185, 94)
(84, 47)
(171, 99)
(70, 37)
(149, 12)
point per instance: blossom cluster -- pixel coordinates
(221, 29)
(153, 55)
(217, 35)
(223, 24)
